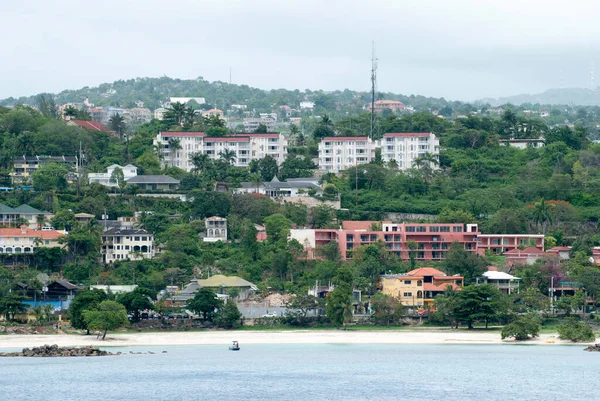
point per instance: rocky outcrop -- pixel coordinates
(593, 348)
(55, 350)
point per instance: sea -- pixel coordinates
(310, 372)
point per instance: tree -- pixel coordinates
(298, 309)
(448, 215)
(338, 304)
(576, 331)
(412, 250)
(52, 176)
(477, 302)
(467, 264)
(386, 309)
(277, 227)
(46, 105)
(174, 114)
(323, 129)
(267, 167)
(541, 214)
(228, 155)
(228, 316)
(118, 177)
(110, 315)
(174, 146)
(117, 124)
(205, 302)
(523, 328)
(200, 162)
(261, 129)
(83, 301)
(137, 300)
(69, 112)
(11, 304)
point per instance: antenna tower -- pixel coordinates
(373, 88)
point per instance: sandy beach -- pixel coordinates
(271, 337)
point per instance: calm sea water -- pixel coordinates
(311, 372)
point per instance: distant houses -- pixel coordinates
(129, 171)
(25, 166)
(123, 244)
(154, 182)
(34, 218)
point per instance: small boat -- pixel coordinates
(235, 346)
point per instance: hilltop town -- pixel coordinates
(306, 210)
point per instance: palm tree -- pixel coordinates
(542, 214)
(392, 164)
(40, 219)
(174, 114)
(200, 161)
(228, 155)
(256, 179)
(117, 124)
(69, 112)
(189, 117)
(214, 122)
(174, 146)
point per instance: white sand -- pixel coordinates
(271, 337)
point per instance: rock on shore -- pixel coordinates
(593, 348)
(55, 350)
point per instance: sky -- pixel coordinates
(456, 49)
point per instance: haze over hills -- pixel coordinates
(557, 96)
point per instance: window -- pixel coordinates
(349, 238)
(396, 237)
(144, 238)
(419, 283)
(434, 229)
(445, 246)
(407, 281)
(421, 229)
(364, 238)
(410, 229)
(137, 239)
(388, 237)
(457, 229)
(445, 229)
(373, 237)
(408, 294)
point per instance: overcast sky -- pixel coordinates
(458, 49)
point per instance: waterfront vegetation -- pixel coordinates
(554, 190)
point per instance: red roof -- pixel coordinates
(441, 287)
(91, 125)
(559, 249)
(425, 271)
(18, 232)
(181, 133)
(227, 139)
(406, 134)
(524, 252)
(345, 138)
(260, 134)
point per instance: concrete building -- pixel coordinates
(25, 166)
(405, 147)
(36, 219)
(159, 113)
(216, 229)
(502, 243)
(505, 282)
(246, 146)
(137, 115)
(523, 143)
(306, 105)
(120, 244)
(292, 187)
(433, 240)
(341, 153)
(251, 123)
(221, 285)
(186, 100)
(24, 240)
(418, 288)
(154, 182)
(129, 171)
(393, 105)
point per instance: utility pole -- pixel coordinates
(373, 85)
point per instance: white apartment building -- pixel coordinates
(252, 123)
(405, 147)
(123, 244)
(340, 153)
(247, 147)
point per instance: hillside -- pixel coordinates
(155, 91)
(562, 96)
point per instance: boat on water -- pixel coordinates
(235, 346)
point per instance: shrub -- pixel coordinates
(576, 331)
(523, 328)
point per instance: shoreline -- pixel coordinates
(12, 341)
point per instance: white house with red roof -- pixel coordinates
(26, 240)
(246, 147)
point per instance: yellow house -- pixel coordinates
(419, 287)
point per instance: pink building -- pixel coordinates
(502, 243)
(433, 240)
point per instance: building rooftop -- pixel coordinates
(91, 125)
(406, 134)
(225, 281)
(24, 231)
(119, 231)
(152, 179)
(496, 275)
(345, 138)
(181, 133)
(26, 209)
